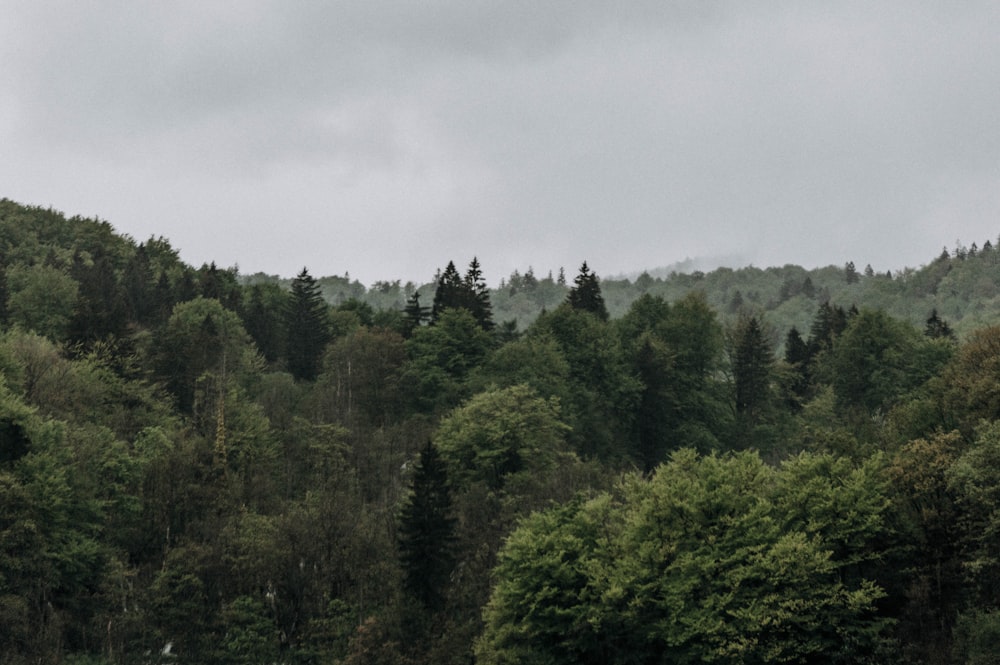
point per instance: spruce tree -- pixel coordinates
(415, 314)
(586, 294)
(426, 531)
(477, 296)
(469, 293)
(938, 328)
(752, 363)
(306, 326)
(798, 358)
(449, 292)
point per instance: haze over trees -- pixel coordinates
(744, 466)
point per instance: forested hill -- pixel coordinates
(962, 285)
(743, 466)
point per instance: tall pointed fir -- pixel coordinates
(477, 296)
(449, 293)
(469, 293)
(307, 327)
(415, 314)
(586, 294)
(753, 360)
(427, 532)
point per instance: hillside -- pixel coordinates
(199, 466)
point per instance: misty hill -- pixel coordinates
(962, 285)
(221, 468)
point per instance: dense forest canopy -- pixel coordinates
(744, 466)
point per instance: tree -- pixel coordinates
(263, 315)
(938, 328)
(42, 298)
(478, 296)
(360, 379)
(500, 433)
(797, 357)
(586, 294)
(851, 275)
(415, 314)
(450, 292)
(469, 293)
(426, 531)
(878, 358)
(100, 310)
(441, 357)
(752, 365)
(602, 389)
(307, 327)
(201, 340)
(712, 560)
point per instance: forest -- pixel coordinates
(744, 466)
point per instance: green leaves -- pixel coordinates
(502, 432)
(712, 560)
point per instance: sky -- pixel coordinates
(383, 139)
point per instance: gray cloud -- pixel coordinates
(384, 138)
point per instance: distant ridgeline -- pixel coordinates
(961, 286)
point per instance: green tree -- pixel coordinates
(469, 293)
(878, 358)
(307, 327)
(450, 292)
(478, 295)
(752, 363)
(441, 358)
(415, 314)
(361, 377)
(201, 340)
(42, 298)
(100, 307)
(603, 392)
(586, 294)
(427, 531)
(709, 561)
(500, 433)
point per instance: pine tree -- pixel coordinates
(477, 295)
(426, 531)
(307, 327)
(938, 328)
(752, 363)
(415, 314)
(470, 293)
(798, 358)
(851, 275)
(586, 294)
(449, 292)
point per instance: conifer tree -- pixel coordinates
(798, 357)
(415, 314)
(752, 363)
(586, 294)
(449, 291)
(478, 296)
(469, 293)
(307, 327)
(426, 531)
(938, 328)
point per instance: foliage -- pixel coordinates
(500, 433)
(204, 466)
(705, 561)
(426, 531)
(306, 327)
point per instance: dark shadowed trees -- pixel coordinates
(586, 294)
(427, 531)
(307, 327)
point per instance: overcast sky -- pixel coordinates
(385, 138)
